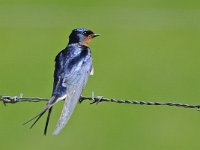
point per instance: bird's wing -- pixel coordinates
(73, 94)
(75, 81)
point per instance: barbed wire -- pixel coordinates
(97, 99)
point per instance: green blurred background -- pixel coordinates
(149, 50)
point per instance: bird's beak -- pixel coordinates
(95, 35)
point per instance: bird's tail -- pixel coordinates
(49, 107)
(37, 117)
(47, 121)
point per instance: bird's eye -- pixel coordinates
(85, 33)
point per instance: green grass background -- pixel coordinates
(149, 50)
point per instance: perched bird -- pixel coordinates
(73, 65)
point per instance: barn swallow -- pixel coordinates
(73, 65)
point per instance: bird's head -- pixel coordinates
(82, 35)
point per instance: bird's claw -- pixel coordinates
(81, 99)
(97, 99)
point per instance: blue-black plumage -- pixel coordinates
(73, 66)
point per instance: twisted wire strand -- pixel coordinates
(97, 99)
(137, 102)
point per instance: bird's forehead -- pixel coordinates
(81, 30)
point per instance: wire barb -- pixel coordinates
(98, 99)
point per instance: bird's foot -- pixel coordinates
(81, 99)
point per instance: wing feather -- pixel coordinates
(72, 97)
